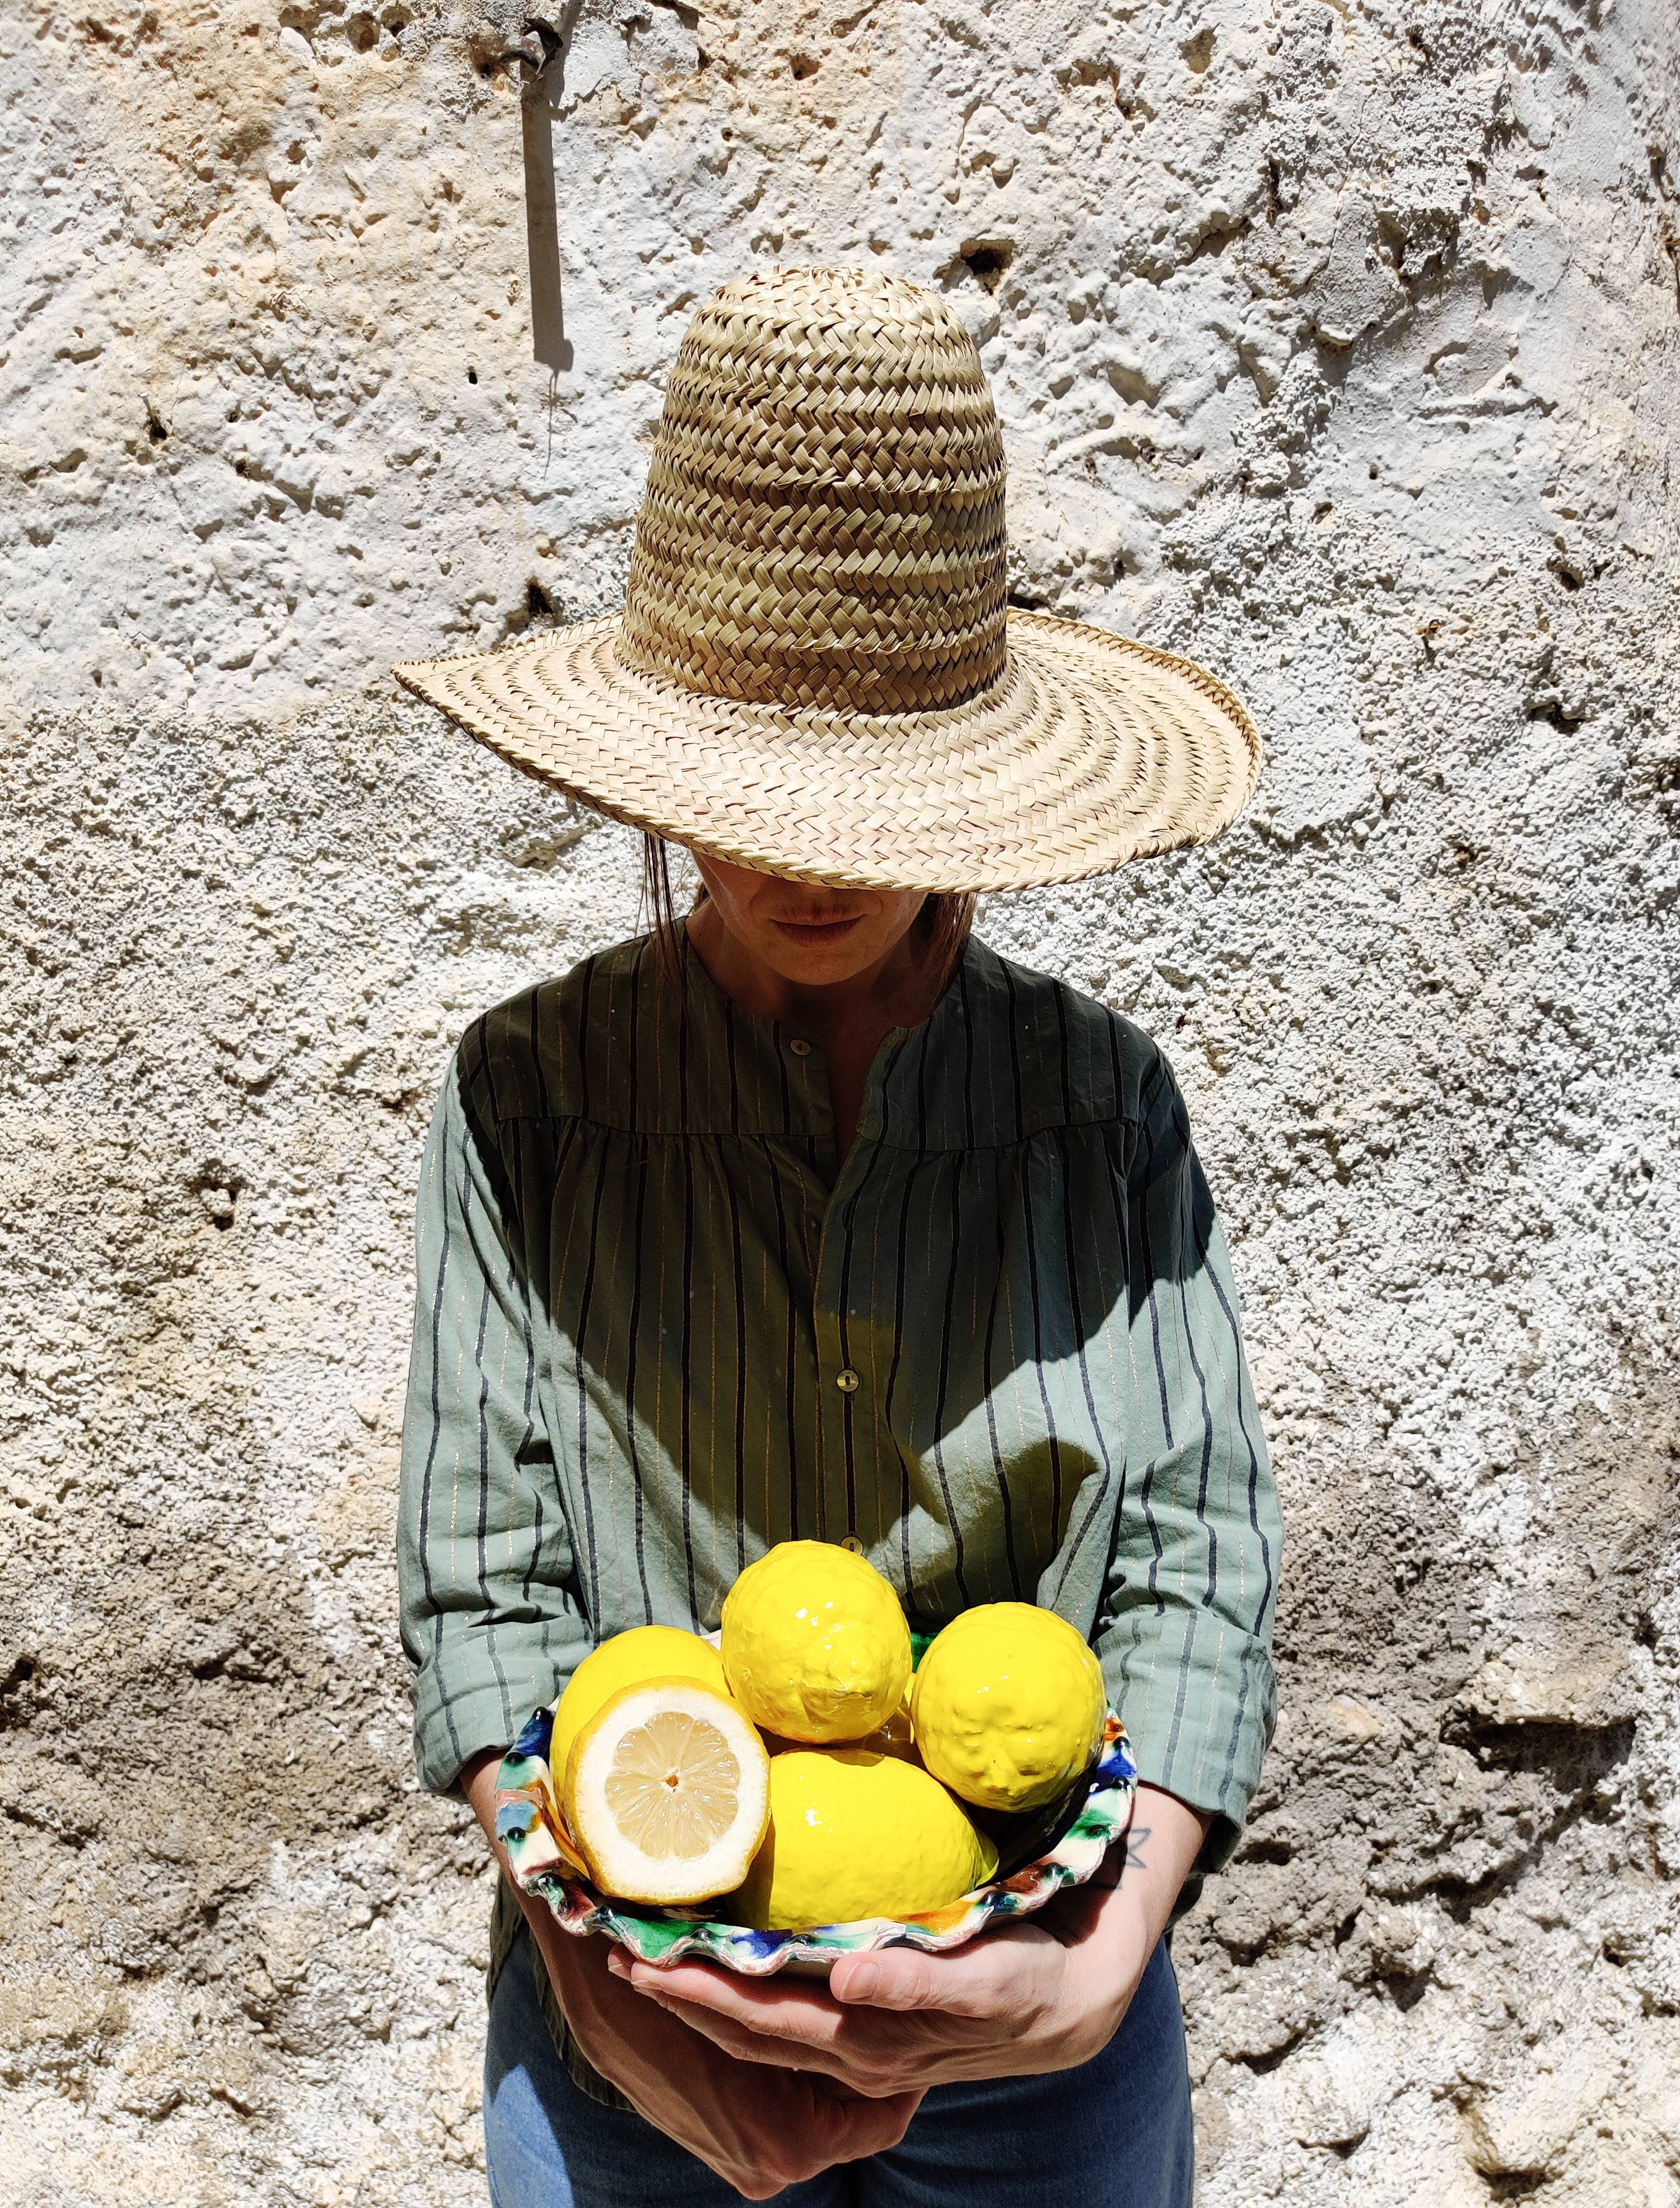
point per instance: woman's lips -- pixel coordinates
(818, 931)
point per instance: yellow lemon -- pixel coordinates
(667, 1793)
(852, 1835)
(645, 1651)
(1009, 1706)
(815, 1645)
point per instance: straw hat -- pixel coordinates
(815, 673)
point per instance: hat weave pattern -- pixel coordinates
(824, 519)
(816, 672)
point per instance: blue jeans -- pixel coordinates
(1113, 2134)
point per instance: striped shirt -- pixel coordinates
(660, 1327)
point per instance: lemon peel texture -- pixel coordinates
(815, 1645)
(855, 1835)
(1009, 1706)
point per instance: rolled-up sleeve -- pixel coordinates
(491, 1625)
(1184, 1625)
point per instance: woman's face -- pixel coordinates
(811, 937)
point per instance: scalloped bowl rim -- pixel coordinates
(531, 1828)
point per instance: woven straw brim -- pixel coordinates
(1089, 751)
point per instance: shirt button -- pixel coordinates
(800, 1047)
(846, 1380)
(853, 1544)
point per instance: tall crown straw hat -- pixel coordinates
(816, 673)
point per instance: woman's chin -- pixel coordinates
(818, 955)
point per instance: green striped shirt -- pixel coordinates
(659, 1327)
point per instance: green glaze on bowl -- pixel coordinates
(530, 1827)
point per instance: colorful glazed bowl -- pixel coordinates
(1065, 1846)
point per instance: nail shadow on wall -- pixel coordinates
(548, 341)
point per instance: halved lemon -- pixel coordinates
(667, 1793)
(630, 1660)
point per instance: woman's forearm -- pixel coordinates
(577, 1969)
(1161, 1845)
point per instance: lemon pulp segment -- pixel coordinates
(674, 1784)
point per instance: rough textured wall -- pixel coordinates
(1337, 344)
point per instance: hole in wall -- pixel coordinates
(472, 375)
(217, 1190)
(799, 66)
(539, 606)
(987, 259)
(1406, 1989)
(1267, 1851)
(18, 1691)
(362, 33)
(156, 429)
(1557, 716)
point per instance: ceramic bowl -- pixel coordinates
(1061, 1848)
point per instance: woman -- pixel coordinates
(808, 1216)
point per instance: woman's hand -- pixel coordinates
(1045, 1996)
(758, 2129)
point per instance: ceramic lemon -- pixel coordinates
(1009, 1706)
(854, 1835)
(815, 1646)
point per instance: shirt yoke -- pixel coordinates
(620, 1042)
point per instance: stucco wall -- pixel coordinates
(1336, 344)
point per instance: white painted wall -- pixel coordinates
(1335, 344)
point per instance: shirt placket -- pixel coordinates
(836, 1381)
(845, 1413)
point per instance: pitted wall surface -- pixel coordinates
(1335, 344)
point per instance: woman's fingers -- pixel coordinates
(874, 2057)
(780, 2050)
(847, 2130)
(770, 2008)
(999, 1977)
